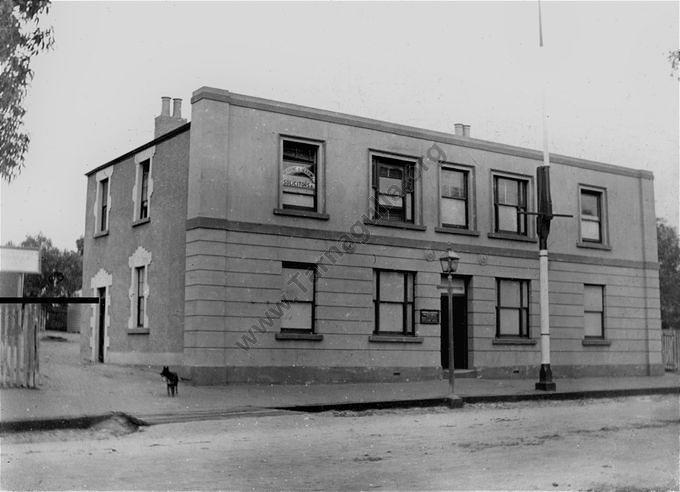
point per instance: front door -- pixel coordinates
(460, 339)
(101, 332)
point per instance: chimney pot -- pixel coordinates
(177, 108)
(466, 130)
(165, 106)
(458, 129)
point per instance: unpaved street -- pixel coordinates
(625, 442)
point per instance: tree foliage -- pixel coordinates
(53, 260)
(669, 274)
(674, 58)
(21, 38)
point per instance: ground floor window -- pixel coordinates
(298, 297)
(393, 302)
(593, 311)
(512, 308)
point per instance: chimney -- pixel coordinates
(165, 106)
(177, 108)
(458, 129)
(466, 131)
(165, 123)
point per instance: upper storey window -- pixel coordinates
(393, 189)
(510, 200)
(455, 203)
(143, 187)
(593, 218)
(102, 201)
(299, 175)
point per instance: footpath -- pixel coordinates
(73, 394)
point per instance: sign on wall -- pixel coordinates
(19, 260)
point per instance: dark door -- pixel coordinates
(101, 293)
(460, 342)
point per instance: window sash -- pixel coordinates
(304, 156)
(298, 303)
(512, 308)
(593, 311)
(144, 194)
(103, 202)
(510, 198)
(393, 189)
(141, 299)
(391, 310)
(591, 216)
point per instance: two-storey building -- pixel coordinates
(267, 241)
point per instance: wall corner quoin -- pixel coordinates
(208, 154)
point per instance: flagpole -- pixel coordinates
(544, 216)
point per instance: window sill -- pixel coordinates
(394, 339)
(138, 331)
(455, 230)
(101, 234)
(514, 341)
(314, 337)
(395, 224)
(512, 237)
(601, 246)
(301, 213)
(596, 342)
(141, 221)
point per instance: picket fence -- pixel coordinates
(20, 328)
(670, 345)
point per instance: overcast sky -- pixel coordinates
(610, 94)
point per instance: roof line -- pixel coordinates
(251, 102)
(127, 155)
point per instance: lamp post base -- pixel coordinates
(453, 401)
(545, 382)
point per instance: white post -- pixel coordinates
(545, 307)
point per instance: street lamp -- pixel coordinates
(449, 264)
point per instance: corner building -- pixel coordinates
(270, 242)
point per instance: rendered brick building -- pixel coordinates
(272, 242)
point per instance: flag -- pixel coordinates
(545, 213)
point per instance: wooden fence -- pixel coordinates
(20, 327)
(670, 344)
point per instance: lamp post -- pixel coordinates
(449, 264)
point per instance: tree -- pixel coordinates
(21, 38)
(674, 58)
(669, 274)
(52, 260)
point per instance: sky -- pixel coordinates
(610, 93)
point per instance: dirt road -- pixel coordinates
(615, 443)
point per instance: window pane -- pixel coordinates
(390, 200)
(510, 293)
(391, 317)
(298, 200)
(453, 212)
(297, 284)
(298, 316)
(409, 287)
(508, 321)
(409, 318)
(392, 286)
(590, 230)
(390, 186)
(105, 191)
(592, 298)
(593, 324)
(506, 191)
(507, 218)
(299, 152)
(453, 184)
(590, 204)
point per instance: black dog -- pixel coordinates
(171, 379)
